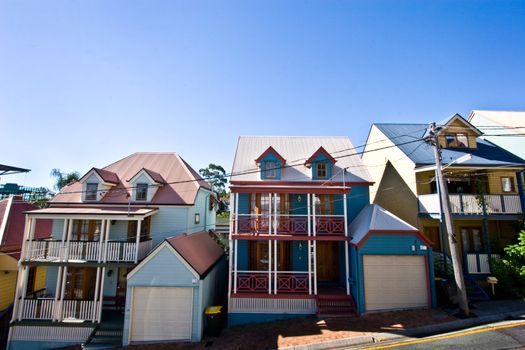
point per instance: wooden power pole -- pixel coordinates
(443, 191)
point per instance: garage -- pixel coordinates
(161, 313)
(395, 282)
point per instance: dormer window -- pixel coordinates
(142, 192)
(321, 170)
(270, 169)
(91, 191)
(459, 140)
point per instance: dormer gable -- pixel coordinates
(270, 163)
(144, 185)
(321, 163)
(96, 183)
(457, 132)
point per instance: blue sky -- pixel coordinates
(85, 83)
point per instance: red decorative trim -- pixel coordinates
(266, 237)
(394, 232)
(293, 190)
(319, 151)
(275, 153)
(273, 296)
(319, 183)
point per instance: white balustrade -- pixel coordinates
(77, 309)
(37, 309)
(52, 333)
(484, 263)
(471, 204)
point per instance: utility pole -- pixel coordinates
(443, 192)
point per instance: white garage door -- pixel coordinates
(161, 313)
(395, 282)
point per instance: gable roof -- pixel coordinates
(374, 218)
(8, 170)
(296, 150)
(12, 224)
(274, 152)
(106, 176)
(182, 182)
(321, 150)
(156, 177)
(486, 154)
(456, 117)
(510, 119)
(199, 250)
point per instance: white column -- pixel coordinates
(347, 272)
(67, 223)
(59, 315)
(236, 246)
(270, 206)
(57, 293)
(309, 262)
(18, 301)
(139, 225)
(236, 212)
(314, 219)
(105, 254)
(274, 213)
(101, 239)
(309, 209)
(315, 266)
(69, 232)
(230, 243)
(97, 285)
(27, 228)
(270, 248)
(275, 266)
(101, 298)
(31, 237)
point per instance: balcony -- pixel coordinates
(51, 309)
(50, 250)
(293, 225)
(284, 282)
(471, 204)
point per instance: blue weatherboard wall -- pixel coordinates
(244, 203)
(358, 198)
(389, 244)
(298, 207)
(236, 319)
(299, 255)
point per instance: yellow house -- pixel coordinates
(12, 222)
(485, 192)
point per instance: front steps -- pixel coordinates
(335, 305)
(104, 337)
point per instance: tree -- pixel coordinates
(216, 177)
(62, 178)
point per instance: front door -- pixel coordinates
(122, 284)
(80, 283)
(327, 261)
(258, 252)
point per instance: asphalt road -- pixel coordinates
(496, 336)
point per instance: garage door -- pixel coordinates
(395, 282)
(161, 313)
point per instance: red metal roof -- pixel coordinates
(182, 182)
(199, 250)
(13, 233)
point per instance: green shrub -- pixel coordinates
(510, 269)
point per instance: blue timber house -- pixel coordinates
(294, 247)
(125, 253)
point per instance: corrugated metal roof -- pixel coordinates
(12, 211)
(94, 211)
(422, 154)
(503, 118)
(182, 185)
(296, 150)
(198, 249)
(375, 218)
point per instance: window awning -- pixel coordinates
(92, 213)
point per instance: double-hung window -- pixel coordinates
(142, 192)
(91, 191)
(321, 170)
(270, 169)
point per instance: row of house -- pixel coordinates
(130, 254)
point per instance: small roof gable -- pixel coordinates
(156, 177)
(105, 175)
(457, 117)
(199, 250)
(319, 151)
(272, 151)
(374, 218)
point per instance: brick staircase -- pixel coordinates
(335, 305)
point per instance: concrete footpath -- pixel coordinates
(485, 313)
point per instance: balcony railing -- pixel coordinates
(49, 309)
(287, 281)
(296, 225)
(471, 204)
(478, 263)
(113, 251)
